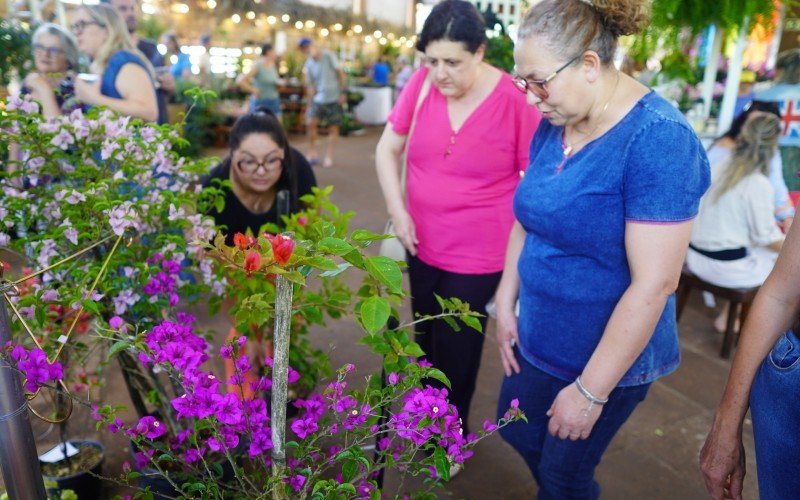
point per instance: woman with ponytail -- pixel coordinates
(604, 215)
(736, 239)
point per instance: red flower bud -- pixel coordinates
(240, 241)
(252, 262)
(282, 247)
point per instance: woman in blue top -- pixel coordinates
(126, 77)
(604, 214)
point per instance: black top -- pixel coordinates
(237, 218)
(150, 51)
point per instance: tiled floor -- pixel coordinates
(655, 454)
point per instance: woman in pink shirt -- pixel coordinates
(467, 149)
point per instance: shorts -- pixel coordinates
(328, 114)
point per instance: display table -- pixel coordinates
(376, 106)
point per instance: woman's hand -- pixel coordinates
(722, 461)
(405, 230)
(38, 84)
(572, 416)
(507, 337)
(87, 92)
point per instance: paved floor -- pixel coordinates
(655, 454)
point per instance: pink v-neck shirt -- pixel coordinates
(460, 183)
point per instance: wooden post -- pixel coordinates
(280, 375)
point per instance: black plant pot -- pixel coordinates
(160, 487)
(84, 484)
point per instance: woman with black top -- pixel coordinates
(267, 176)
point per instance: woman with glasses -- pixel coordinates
(125, 82)
(55, 56)
(267, 178)
(466, 132)
(604, 215)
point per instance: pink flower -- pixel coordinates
(251, 263)
(115, 323)
(282, 248)
(304, 427)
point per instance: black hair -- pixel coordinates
(455, 21)
(266, 48)
(738, 123)
(263, 121)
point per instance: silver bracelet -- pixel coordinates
(588, 395)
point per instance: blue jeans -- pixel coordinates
(775, 408)
(562, 468)
(273, 105)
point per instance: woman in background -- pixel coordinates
(125, 82)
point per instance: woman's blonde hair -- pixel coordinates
(569, 27)
(118, 37)
(755, 147)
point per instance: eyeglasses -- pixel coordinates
(537, 87)
(50, 51)
(251, 166)
(81, 25)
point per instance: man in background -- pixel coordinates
(325, 91)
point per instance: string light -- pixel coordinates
(377, 34)
(324, 32)
(357, 28)
(251, 15)
(180, 8)
(337, 27)
(236, 18)
(298, 25)
(285, 18)
(368, 39)
(272, 20)
(310, 24)
(211, 4)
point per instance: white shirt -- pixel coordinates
(742, 217)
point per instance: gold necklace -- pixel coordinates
(569, 147)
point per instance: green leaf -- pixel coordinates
(438, 375)
(386, 271)
(472, 322)
(452, 323)
(413, 349)
(364, 235)
(334, 246)
(375, 312)
(441, 464)
(339, 270)
(117, 347)
(349, 470)
(321, 262)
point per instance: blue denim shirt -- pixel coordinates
(649, 168)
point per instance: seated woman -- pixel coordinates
(126, 82)
(267, 178)
(784, 208)
(55, 56)
(735, 238)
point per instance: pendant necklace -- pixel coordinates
(569, 147)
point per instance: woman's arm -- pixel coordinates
(388, 165)
(774, 309)
(246, 82)
(134, 85)
(655, 257)
(506, 301)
